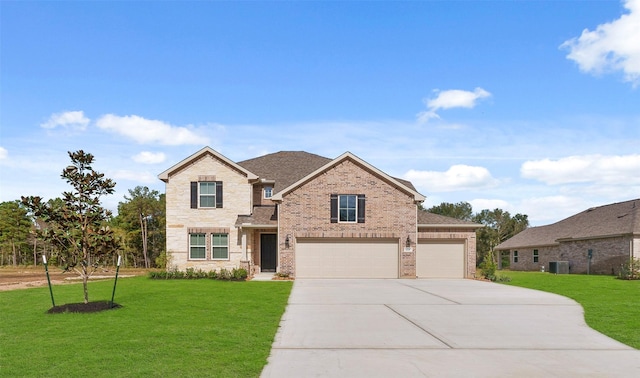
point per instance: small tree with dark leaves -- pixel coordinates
(79, 227)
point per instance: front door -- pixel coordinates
(268, 252)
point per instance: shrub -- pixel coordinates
(630, 270)
(224, 274)
(239, 274)
(488, 267)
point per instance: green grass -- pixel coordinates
(165, 328)
(611, 306)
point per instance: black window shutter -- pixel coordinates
(219, 194)
(194, 195)
(334, 208)
(361, 204)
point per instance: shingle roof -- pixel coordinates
(284, 167)
(426, 218)
(287, 167)
(622, 218)
(262, 215)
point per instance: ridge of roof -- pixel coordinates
(607, 220)
(284, 167)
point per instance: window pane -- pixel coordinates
(197, 246)
(220, 249)
(207, 201)
(347, 208)
(208, 188)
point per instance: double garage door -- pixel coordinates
(375, 258)
(346, 258)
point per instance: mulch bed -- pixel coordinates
(84, 307)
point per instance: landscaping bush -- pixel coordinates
(195, 274)
(630, 271)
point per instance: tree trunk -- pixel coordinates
(15, 257)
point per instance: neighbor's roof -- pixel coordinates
(427, 219)
(622, 218)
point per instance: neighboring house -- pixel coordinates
(310, 217)
(598, 240)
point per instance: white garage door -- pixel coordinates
(346, 258)
(440, 260)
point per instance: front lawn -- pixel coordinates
(611, 306)
(166, 328)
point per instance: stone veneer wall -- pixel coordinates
(180, 217)
(305, 213)
(469, 237)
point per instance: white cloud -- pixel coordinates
(613, 46)
(147, 131)
(458, 177)
(146, 157)
(620, 170)
(480, 204)
(453, 98)
(135, 176)
(75, 120)
(550, 209)
(3, 153)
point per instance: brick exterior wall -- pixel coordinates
(305, 212)
(609, 254)
(467, 236)
(180, 216)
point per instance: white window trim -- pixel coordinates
(264, 192)
(219, 246)
(515, 257)
(536, 256)
(204, 245)
(355, 220)
(200, 195)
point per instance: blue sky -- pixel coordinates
(529, 106)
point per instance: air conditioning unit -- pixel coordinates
(559, 267)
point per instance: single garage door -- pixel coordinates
(440, 259)
(346, 258)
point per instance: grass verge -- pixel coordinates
(611, 305)
(196, 328)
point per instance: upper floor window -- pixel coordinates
(347, 208)
(268, 191)
(206, 194)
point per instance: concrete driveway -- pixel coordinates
(436, 328)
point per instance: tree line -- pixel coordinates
(499, 225)
(74, 231)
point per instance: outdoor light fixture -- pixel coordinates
(287, 241)
(408, 242)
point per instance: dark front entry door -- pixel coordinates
(268, 244)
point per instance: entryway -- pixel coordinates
(268, 252)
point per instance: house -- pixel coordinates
(308, 216)
(598, 240)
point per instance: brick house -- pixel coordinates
(598, 240)
(310, 217)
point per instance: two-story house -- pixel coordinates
(310, 217)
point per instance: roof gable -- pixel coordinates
(164, 176)
(400, 184)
